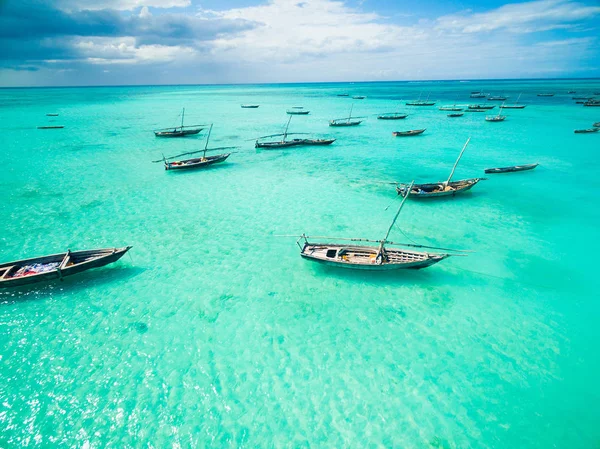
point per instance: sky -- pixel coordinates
(122, 42)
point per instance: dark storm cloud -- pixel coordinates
(33, 30)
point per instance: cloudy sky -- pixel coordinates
(98, 42)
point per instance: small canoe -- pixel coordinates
(586, 131)
(344, 122)
(297, 112)
(56, 266)
(481, 106)
(420, 103)
(513, 106)
(412, 132)
(249, 106)
(545, 95)
(343, 95)
(512, 169)
(198, 162)
(438, 189)
(392, 116)
(457, 114)
(50, 127)
(51, 115)
(497, 98)
(359, 97)
(495, 118)
(177, 132)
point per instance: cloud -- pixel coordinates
(526, 17)
(120, 5)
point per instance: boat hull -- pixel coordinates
(293, 143)
(183, 133)
(90, 259)
(192, 164)
(513, 169)
(392, 117)
(351, 123)
(414, 132)
(435, 190)
(365, 257)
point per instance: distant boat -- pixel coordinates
(495, 118)
(513, 106)
(392, 116)
(343, 95)
(372, 258)
(457, 114)
(359, 97)
(198, 162)
(571, 92)
(481, 106)
(50, 127)
(592, 103)
(545, 95)
(412, 132)
(439, 189)
(51, 115)
(420, 102)
(249, 106)
(285, 143)
(450, 108)
(56, 266)
(478, 94)
(514, 168)
(597, 125)
(297, 112)
(179, 131)
(586, 131)
(497, 98)
(476, 110)
(582, 98)
(345, 121)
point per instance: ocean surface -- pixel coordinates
(213, 332)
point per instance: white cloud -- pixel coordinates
(525, 17)
(120, 5)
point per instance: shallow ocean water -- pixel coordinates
(213, 332)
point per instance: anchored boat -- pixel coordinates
(285, 143)
(512, 169)
(374, 258)
(179, 131)
(56, 266)
(412, 132)
(346, 121)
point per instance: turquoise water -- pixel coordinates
(215, 333)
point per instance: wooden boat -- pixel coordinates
(359, 97)
(391, 116)
(285, 143)
(50, 127)
(495, 118)
(179, 131)
(545, 95)
(56, 266)
(346, 121)
(420, 103)
(249, 106)
(450, 108)
(343, 95)
(513, 106)
(373, 258)
(297, 112)
(478, 95)
(512, 169)
(586, 131)
(497, 98)
(412, 132)
(476, 110)
(198, 162)
(481, 106)
(439, 189)
(456, 114)
(51, 115)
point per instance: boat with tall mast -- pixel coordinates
(392, 115)
(420, 102)
(285, 143)
(439, 189)
(179, 131)
(198, 162)
(373, 258)
(347, 121)
(497, 117)
(516, 105)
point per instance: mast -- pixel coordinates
(380, 251)
(286, 128)
(456, 163)
(207, 137)
(350, 116)
(182, 114)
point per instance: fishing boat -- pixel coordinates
(249, 106)
(343, 95)
(495, 118)
(346, 121)
(412, 132)
(51, 115)
(512, 169)
(513, 106)
(497, 98)
(456, 114)
(285, 143)
(56, 266)
(367, 257)
(359, 97)
(179, 131)
(450, 108)
(420, 102)
(545, 95)
(478, 95)
(481, 106)
(392, 116)
(571, 92)
(586, 131)
(439, 189)
(297, 112)
(198, 162)
(50, 127)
